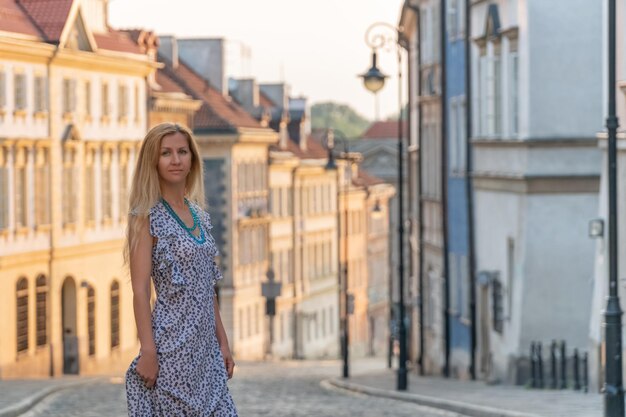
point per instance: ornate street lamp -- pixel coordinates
(374, 80)
(613, 386)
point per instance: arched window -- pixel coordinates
(42, 310)
(91, 320)
(115, 314)
(22, 314)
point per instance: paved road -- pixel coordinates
(259, 389)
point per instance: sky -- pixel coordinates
(316, 46)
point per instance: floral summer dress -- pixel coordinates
(192, 376)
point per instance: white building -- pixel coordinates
(601, 273)
(537, 92)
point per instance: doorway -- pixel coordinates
(69, 328)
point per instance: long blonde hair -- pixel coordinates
(145, 189)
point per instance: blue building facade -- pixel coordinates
(457, 198)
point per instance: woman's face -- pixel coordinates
(174, 159)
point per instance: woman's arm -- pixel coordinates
(222, 339)
(140, 270)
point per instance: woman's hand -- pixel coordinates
(229, 362)
(148, 368)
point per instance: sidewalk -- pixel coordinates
(474, 398)
(18, 396)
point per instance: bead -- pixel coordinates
(201, 238)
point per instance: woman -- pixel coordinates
(184, 361)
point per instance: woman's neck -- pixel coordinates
(175, 197)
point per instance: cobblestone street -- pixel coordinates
(259, 389)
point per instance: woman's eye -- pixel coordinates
(165, 153)
(183, 151)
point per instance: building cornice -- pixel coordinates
(583, 142)
(169, 101)
(257, 135)
(24, 50)
(104, 62)
(537, 184)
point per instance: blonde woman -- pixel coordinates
(184, 361)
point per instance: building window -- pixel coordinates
(124, 163)
(122, 102)
(496, 303)
(42, 187)
(91, 320)
(496, 111)
(41, 98)
(107, 191)
(69, 96)
(510, 251)
(20, 91)
(88, 98)
(22, 314)
(3, 89)
(104, 102)
(42, 310)
(90, 185)
(70, 185)
(514, 88)
(453, 20)
(136, 102)
(21, 188)
(115, 314)
(4, 188)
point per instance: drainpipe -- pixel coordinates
(294, 309)
(469, 189)
(444, 189)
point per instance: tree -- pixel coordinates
(339, 117)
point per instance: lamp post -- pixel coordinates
(374, 80)
(613, 389)
(270, 290)
(345, 298)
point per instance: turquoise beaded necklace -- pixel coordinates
(196, 223)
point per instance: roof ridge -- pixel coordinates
(174, 76)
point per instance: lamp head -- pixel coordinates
(374, 79)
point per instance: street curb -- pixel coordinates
(469, 410)
(30, 401)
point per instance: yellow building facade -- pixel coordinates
(73, 110)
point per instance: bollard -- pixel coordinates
(585, 374)
(576, 373)
(539, 365)
(563, 366)
(533, 366)
(553, 379)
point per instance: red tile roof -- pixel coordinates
(46, 20)
(382, 130)
(167, 84)
(265, 101)
(14, 19)
(49, 16)
(315, 150)
(117, 41)
(217, 111)
(367, 179)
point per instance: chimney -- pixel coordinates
(207, 57)
(246, 92)
(299, 121)
(168, 48)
